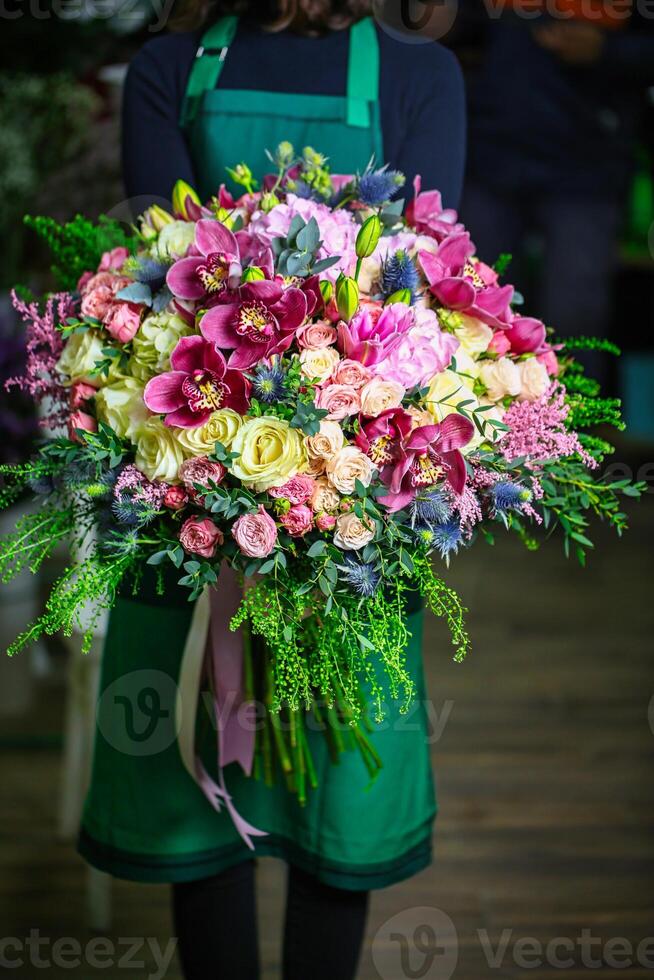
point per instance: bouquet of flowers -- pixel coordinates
(312, 387)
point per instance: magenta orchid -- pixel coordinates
(430, 453)
(371, 336)
(466, 286)
(380, 439)
(428, 216)
(259, 323)
(199, 384)
(212, 270)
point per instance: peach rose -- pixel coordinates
(348, 466)
(352, 533)
(378, 396)
(339, 401)
(351, 373)
(326, 498)
(255, 534)
(326, 443)
(315, 336)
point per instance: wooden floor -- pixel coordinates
(545, 785)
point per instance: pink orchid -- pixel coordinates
(261, 322)
(212, 270)
(427, 215)
(199, 384)
(466, 286)
(369, 338)
(428, 454)
(381, 438)
(527, 335)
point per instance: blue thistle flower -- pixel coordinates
(41, 484)
(448, 538)
(430, 509)
(118, 543)
(133, 513)
(78, 473)
(151, 272)
(399, 272)
(377, 187)
(269, 383)
(362, 577)
(508, 496)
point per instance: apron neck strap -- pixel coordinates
(363, 72)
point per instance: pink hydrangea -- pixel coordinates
(423, 352)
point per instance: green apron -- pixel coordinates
(145, 819)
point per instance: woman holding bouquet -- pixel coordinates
(245, 78)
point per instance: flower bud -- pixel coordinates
(253, 274)
(368, 237)
(327, 291)
(182, 192)
(153, 221)
(347, 297)
(284, 155)
(401, 296)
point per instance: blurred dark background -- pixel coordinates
(545, 753)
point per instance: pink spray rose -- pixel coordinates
(315, 336)
(351, 373)
(123, 321)
(339, 401)
(325, 522)
(176, 498)
(80, 420)
(114, 260)
(297, 490)
(81, 393)
(298, 521)
(255, 534)
(551, 362)
(96, 303)
(200, 471)
(201, 537)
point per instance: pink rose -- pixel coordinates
(123, 321)
(201, 537)
(351, 373)
(500, 344)
(81, 393)
(176, 498)
(255, 534)
(315, 336)
(83, 421)
(297, 490)
(298, 521)
(326, 522)
(99, 280)
(83, 281)
(339, 401)
(200, 471)
(97, 302)
(114, 260)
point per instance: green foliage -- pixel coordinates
(78, 245)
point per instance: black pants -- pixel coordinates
(215, 922)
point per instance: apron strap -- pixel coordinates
(208, 64)
(362, 75)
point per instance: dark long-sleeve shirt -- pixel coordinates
(421, 95)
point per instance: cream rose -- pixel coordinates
(80, 356)
(174, 240)
(326, 499)
(269, 451)
(348, 466)
(534, 379)
(326, 443)
(155, 342)
(158, 453)
(378, 396)
(319, 364)
(352, 533)
(221, 427)
(473, 335)
(121, 406)
(501, 378)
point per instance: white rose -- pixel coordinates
(221, 427)
(378, 396)
(534, 379)
(121, 406)
(158, 453)
(352, 533)
(80, 356)
(174, 240)
(348, 466)
(501, 378)
(155, 342)
(473, 335)
(320, 364)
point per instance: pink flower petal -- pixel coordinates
(188, 355)
(291, 311)
(184, 418)
(456, 473)
(455, 433)
(164, 393)
(212, 236)
(247, 355)
(217, 326)
(183, 280)
(264, 291)
(457, 294)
